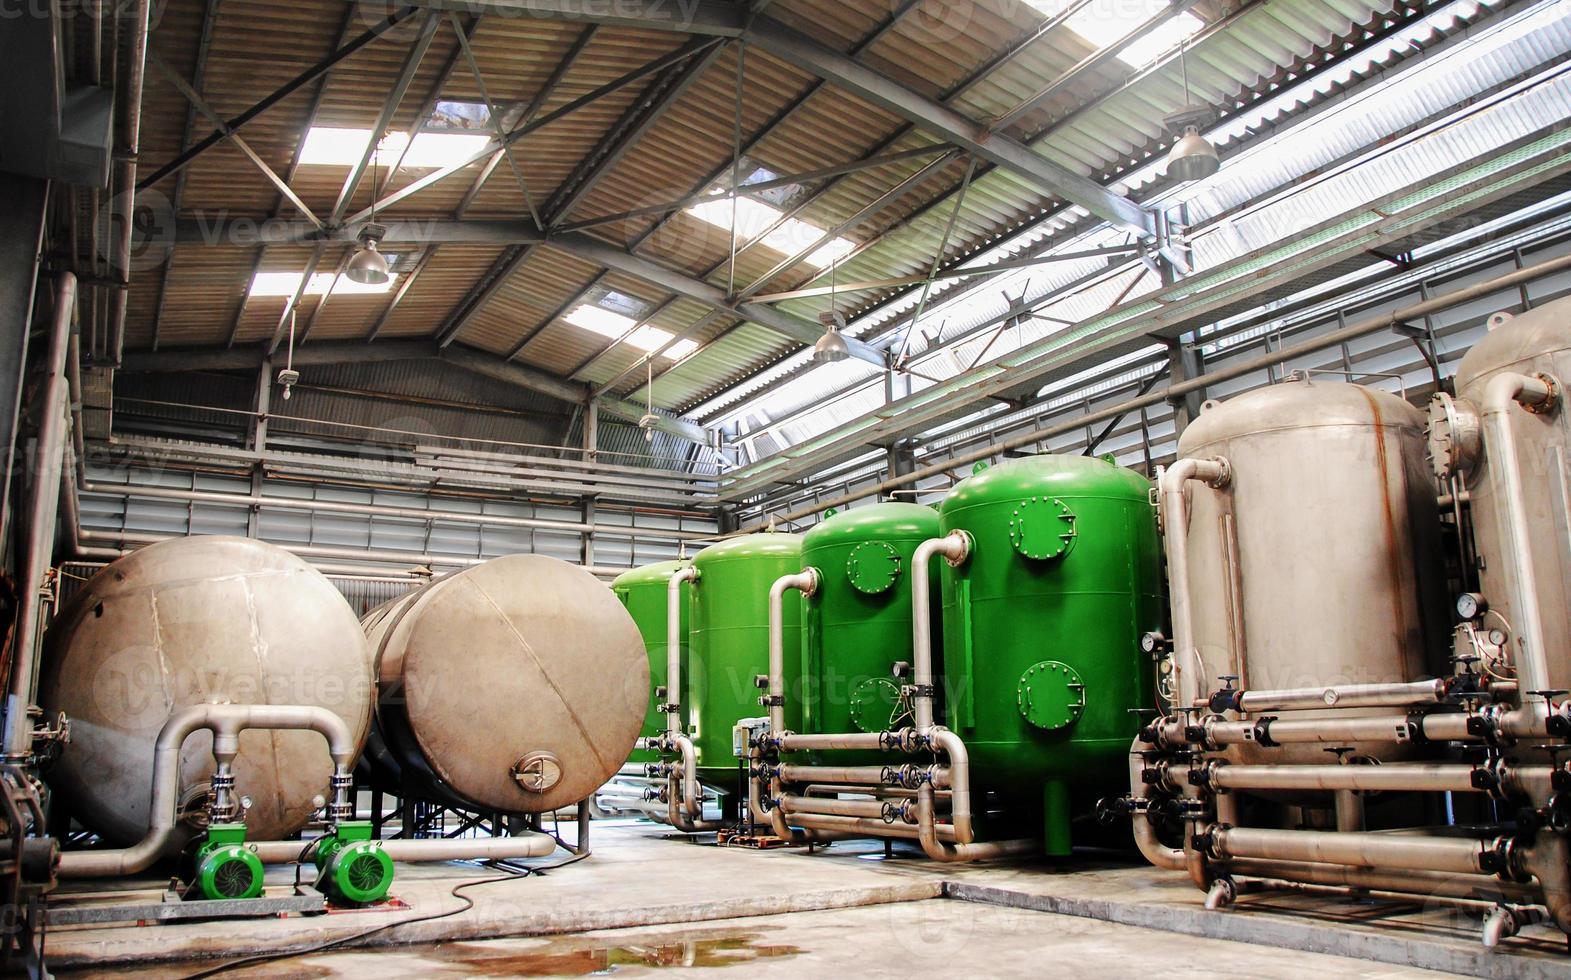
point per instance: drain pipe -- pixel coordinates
(1152, 849)
(226, 722)
(1538, 394)
(1214, 472)
(43, 509)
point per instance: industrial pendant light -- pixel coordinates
(650, 419)
(367, 266)
(1192, 157)
(831, 347)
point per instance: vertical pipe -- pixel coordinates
(1215, 473)
(955, 547)
(130, 144)
(673, 648)
(805, 582)
(43, 509)
(1536, 393)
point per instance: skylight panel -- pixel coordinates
(1102, 24)
(788, 237)
(338, 147)
(285, 284)
(608, 323)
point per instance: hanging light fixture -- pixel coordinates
(650, 419)
(1192, 157)
(367, 266)
(831, 347)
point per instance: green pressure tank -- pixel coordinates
(857, 626)
(643, 592)
(1042, 629)
(729, 644)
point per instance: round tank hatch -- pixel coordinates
(1452, 436)
(538, 772)
(1051, 695)
(1042, 528)
(873, 567)
(875, 704)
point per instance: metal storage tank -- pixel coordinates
(200, 620)
(857, 625)
(1537, 342)
(644, 592)
(518, 685)
(728, 640)
(1318, 563)
(1042, 629)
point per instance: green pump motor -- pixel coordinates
(353, 869)
(225, 867)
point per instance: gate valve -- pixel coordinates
(1111, 809)
(1228, 697)
(653, 795)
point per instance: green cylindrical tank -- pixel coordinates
(729, 643)
(1042, 628)
(643, 592)
(857, 626)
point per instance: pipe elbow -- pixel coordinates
(1214, 471)
(1534, 392)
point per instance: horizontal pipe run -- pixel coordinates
(379, 510)
(226, 722)
(866, 827)
(1364, 850)
(854, 775)
(1159, 396)
(1396, 777)
(1427, 883)
(830, 806)
(843, 740)
(1344, 696)
(526, 845)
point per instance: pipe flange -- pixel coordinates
(1550, 401)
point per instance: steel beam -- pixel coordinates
(236, 230)
(471, 359)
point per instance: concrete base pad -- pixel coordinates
(642, 877)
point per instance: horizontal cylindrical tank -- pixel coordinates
(1318, 562)
(517, 685)
(1535, 342)
(193, 621)
(728, 638)
(644, 592)
(1042, 627)
(857, 625)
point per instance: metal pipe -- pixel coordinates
(1153, 850)
(1429, 883)
(853, 827)
(1158, 396)
(1365, 850)
(49, 460)
(127, 157)
(226, 722)
(831, 806)
(673, 647)
(1394, 777)
(378, 510)
(1537, 393)
(955, 547)
(805, 582)
(1344, 696)
(839, 740)
(935, 847)
(860, 775)
(515, 847)
(1214, 472)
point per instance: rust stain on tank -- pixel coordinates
(1388, 523)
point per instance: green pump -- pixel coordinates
(352, 869)
(225, 867)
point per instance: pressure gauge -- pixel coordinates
(1152, 642)
(1497, 638)
(1471, 605)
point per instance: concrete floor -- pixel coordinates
(925, 938)
(648, 899)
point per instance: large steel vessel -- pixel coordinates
(1042, 630)
(518, 685)
(644, 592)
(1537, 344)
(193, 621)
(857, 623)
(1317, 563)
(729, 644)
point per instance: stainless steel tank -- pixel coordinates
(1318, 563)
(190, 621)
(1536, 342)
(518, 685)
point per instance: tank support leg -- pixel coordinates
(1055, 818)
